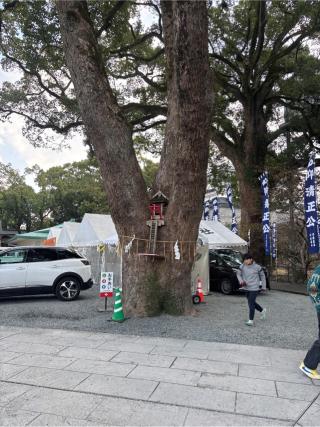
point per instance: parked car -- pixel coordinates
(224, 264)
(3, 248)
(44, 270)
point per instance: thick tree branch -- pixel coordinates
(225, 60)
(48, 125)
(143, 127)
(262, 20)
(136, 43)
(146, 59)
(158, 87)
(105, 124)
(255, 30)
(138, 73)
(34, 74)
(224, 82)
(155, 110)
(110, 16)
(225, 145)
(230, 129)
(248, 32)
(273, 58)
(272, 136)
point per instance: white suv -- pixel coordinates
(38, 270)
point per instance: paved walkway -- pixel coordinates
(295, 288)
(59, 377)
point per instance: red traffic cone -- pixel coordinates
(199, 290)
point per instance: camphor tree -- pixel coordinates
(150, 285)
(72, 190)
(261, 62)
(259, 57)
(17, 199)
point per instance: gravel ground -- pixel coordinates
(290, 323)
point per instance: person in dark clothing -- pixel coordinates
(312, 359)
(251, 278)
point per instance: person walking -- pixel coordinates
(312, 359)
(252, 279)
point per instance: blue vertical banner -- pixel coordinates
(274, 241)
(310, 208)
(234, 226)
(215, 209)
(264, 183)
(206, 210)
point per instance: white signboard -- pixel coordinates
(106, 284)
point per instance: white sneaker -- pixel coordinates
(263, 314)
(249, 322)
(311, 373)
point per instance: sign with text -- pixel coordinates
(310, 208)
(264, 183)
(106, 284)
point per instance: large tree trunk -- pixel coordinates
(150, 285)
(248, 157)
(183, 167)
(250, 200)
(249, 165)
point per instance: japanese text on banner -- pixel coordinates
(310, 208)
(263, 178)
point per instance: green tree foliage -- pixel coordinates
(65, 192)
(260, 58)
(149, 172)
(16, 199)
(44, 96)
(221, 173)
(72, 190)
(261, 61)
(9, 176)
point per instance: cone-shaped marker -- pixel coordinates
(117, 310)
(199, 290)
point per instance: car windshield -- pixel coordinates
(231, 260)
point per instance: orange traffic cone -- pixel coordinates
(199, 290)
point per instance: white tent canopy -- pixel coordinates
(217, 236)
(54, 233)
(67, 234)
(94, 229)
(97, 228)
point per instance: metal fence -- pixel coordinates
(102, 260)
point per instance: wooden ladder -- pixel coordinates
(153, 237)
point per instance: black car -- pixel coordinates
(224, 264)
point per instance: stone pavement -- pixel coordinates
(294, 288)
(62, 377)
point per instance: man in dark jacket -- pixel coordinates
(312, 359)
(252, 279)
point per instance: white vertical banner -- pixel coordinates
(234, 226)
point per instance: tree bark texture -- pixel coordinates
(254, 153)
(183, 167)
(250, 150)
(150, 285)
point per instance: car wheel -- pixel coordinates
(68, 288)
(226, 287)
(196, 299)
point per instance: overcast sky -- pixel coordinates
(15, 149)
